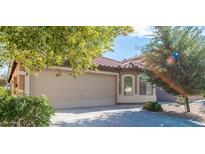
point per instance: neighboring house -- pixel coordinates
(163, 96)
(115, 82)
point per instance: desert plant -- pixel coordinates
(25, 111)
(153, 106)
(187, 70)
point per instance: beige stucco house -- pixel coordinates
(114, 82)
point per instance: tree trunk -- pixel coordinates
(186, 104)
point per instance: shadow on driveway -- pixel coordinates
(117, 116)
(81, 110)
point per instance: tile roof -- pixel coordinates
(137, 57)
(107, 62)
(135, 62)
(131, 63)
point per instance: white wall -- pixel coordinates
(136, 98)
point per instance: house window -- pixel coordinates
(149, 88)
(145, 87)
(128, 86)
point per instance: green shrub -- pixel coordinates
(4, 95)
(4, 92)
(25, 111)
(180, 100)
(153, 106)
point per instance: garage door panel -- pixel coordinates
(65, 91)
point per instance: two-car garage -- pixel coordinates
(91, 89)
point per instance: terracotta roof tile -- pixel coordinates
(131, 64)
(103, 61)
(137, 57)
(134, 62)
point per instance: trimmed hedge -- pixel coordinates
(153, 106)
(24, 111)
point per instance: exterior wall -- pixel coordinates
(163, 96)
(19, 81)
(136, 97)
(91, 89)
(49, 84)
(22, 82)
(15, 81)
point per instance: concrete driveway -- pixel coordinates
(116, 116)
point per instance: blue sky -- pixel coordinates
(129, 46)
(126, 47)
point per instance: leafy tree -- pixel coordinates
(39, 47)
(189, 70)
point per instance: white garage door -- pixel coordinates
(65, 91)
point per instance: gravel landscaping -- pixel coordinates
(197, 110)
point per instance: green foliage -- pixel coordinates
(25, 111)
(180, 100)
(4, 92)
(153, 106)
(189, 71)
(38, 47)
